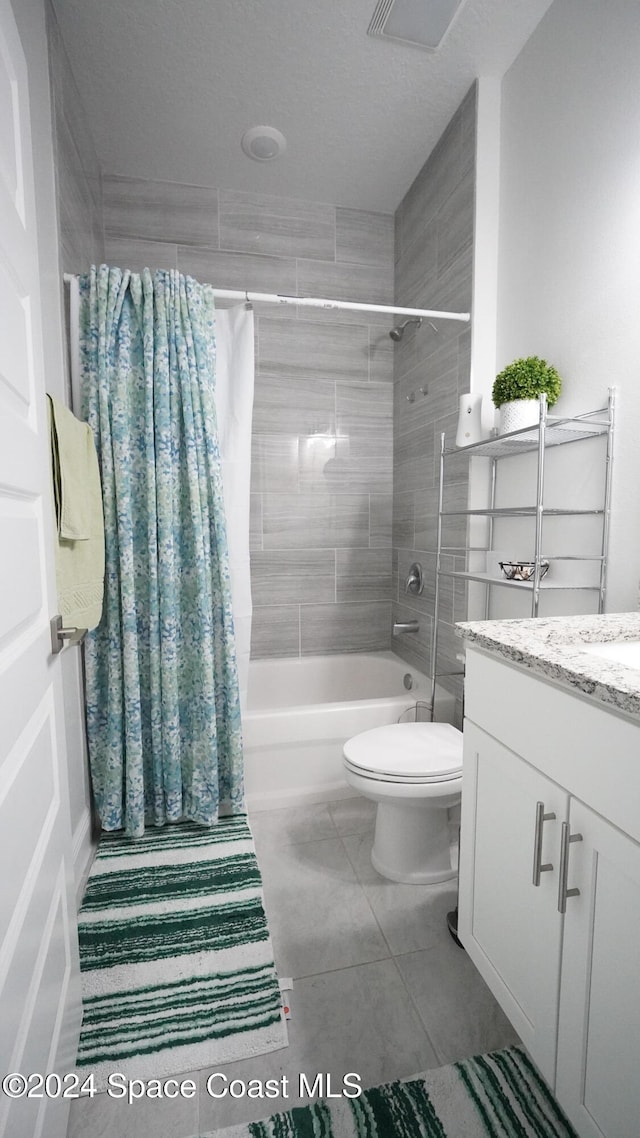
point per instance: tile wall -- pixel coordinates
(323, 412)
(335, 428)
(433, 257)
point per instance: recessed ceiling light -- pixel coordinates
(264, 143)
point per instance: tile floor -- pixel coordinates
(380, 987)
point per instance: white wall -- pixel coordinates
(30, 17)
(569, 238)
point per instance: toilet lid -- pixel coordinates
(407, 752)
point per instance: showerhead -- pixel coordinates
(398, 332)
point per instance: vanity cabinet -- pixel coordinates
(511, 930)
(598, 1064)
(537, 761)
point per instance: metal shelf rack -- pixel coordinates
(550, 431)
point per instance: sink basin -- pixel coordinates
(625, 652)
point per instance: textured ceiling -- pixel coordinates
(170, 85)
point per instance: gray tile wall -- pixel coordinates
(78, 175)
(433, 258)
(322, 462)
(333, 405)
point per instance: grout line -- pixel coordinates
(198, 1096)
(413, 510)
(364, 894)
(301, 841)
(342, 968)
(416, 1008)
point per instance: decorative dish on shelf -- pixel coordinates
(522, 570)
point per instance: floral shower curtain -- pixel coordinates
(163, 712)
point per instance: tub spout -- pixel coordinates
(401, 626)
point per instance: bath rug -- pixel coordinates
(499, 1095)
(175, 955)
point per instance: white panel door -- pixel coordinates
(510, 928)
(599, 1039)
(39, 988)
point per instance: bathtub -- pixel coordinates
(302, 710)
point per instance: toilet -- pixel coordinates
(414, 773)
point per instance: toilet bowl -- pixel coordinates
(414, 773)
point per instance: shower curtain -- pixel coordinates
(234, 405)
(163, 710)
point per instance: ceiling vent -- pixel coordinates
(421, 23)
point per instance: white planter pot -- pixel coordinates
(519, 413)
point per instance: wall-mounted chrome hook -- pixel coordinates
(60, 635)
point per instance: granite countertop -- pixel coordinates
(554, 648)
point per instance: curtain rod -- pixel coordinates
(316, 302)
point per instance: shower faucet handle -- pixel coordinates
(415, 580)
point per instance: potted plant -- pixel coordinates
(517, 388)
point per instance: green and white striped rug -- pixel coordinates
(177, 964)
(500, 1095)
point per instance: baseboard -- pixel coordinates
(84, 849)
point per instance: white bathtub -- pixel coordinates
(301, 711)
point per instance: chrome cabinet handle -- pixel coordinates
(563, 892)
(541, 817)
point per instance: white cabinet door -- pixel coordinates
(510, 928)
(39, 974)
(598, 1079)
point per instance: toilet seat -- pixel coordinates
(418, 753)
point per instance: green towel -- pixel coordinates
(78, 500)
